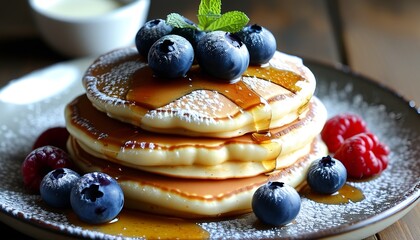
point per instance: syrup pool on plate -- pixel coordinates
(345, 195)
(132, 223)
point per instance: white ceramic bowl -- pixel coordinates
(76, 31)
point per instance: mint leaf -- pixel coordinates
(210, 18)
(208, 12)
(232, 21)
(178, 21)
(205, 20)
(210, 7)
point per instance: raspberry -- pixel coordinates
(339, 128)
(41, 161)
(363, 155)
(55, 136)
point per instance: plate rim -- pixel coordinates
(349, 71)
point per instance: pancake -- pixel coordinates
(192, 198)
(192, 157)
(121, 84)
(195, 146)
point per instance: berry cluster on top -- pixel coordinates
(222, 44)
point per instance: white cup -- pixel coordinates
(88, 29)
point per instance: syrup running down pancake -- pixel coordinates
(121, 84)
(192, 198)
(197, 157)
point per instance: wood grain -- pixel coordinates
(409, 225)
(301, 29)
(383, 42)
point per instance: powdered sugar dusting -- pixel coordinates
(392, 120)
(288, 62)
(116, 77)
(198, 106)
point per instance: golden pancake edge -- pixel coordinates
(269, 96)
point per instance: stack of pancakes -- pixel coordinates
(195, 146)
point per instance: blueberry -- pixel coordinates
(149, 33)
(276, 203)
(171, 56)
(326, 175)
(96, 198)
(222, 55)
(56, 186)
(193, 35)
(260, 42)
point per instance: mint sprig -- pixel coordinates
(210, 18)
(208, 12)
(232, 21)
(178, 21)
(210, 7)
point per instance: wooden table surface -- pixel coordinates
(375, 38)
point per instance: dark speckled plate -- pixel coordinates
(35, 102)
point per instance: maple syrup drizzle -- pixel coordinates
(268, 135)
(152, 92)
(113, 132)
(284, 78)
(132, 223)
(346, 194)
